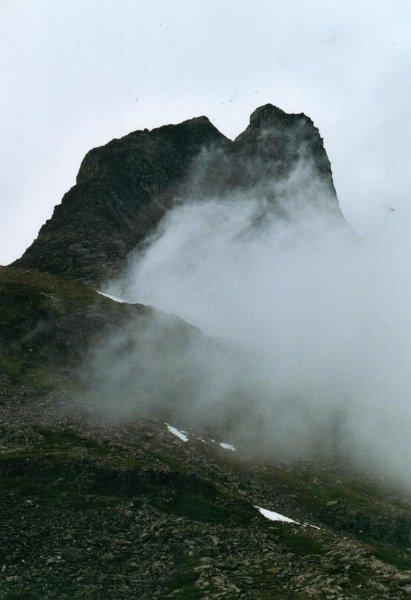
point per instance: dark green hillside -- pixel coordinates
(106, 512)
(92, 508)
(47, 322)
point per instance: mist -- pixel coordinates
(305, 341)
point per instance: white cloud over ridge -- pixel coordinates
(313, 325)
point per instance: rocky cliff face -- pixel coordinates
(124, 188)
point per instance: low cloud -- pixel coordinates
(306, 329)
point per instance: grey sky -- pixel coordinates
(76, 74)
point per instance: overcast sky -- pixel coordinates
(75, 74)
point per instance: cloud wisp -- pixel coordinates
(307, 343)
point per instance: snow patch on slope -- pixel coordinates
(227, 446)
(180, 434)
(274, 516)
(184, 436)
(115, 298)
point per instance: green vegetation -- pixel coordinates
(296, 539)
(67, 470)
(344, 501)
(389, 555)
(47, 325)
(22, 596)
(189, 592)
(347, 503)
(183, 579)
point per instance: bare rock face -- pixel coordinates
(124, 188)
(281, 140)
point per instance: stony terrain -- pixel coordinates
(92, 510)
(97, 508)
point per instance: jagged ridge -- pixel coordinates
(124, 188)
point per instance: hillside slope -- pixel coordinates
(98, 507)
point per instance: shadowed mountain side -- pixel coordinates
(122, 191)
(276, 143)
(125, 187)
(48, 323)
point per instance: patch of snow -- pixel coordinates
(274, 516)
(115, 298)
(180, 434)
(227, 446)
(313, 526)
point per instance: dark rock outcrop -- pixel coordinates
(124, 188)
(122, 191)
(278, 141)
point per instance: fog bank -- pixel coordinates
(313, 325)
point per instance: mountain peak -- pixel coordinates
(268, 114)
(267, 111)
(125, 188)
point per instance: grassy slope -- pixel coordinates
(46, 324)
(84, 475)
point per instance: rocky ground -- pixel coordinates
(96, 510)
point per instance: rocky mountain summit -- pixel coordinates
(124, 188)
